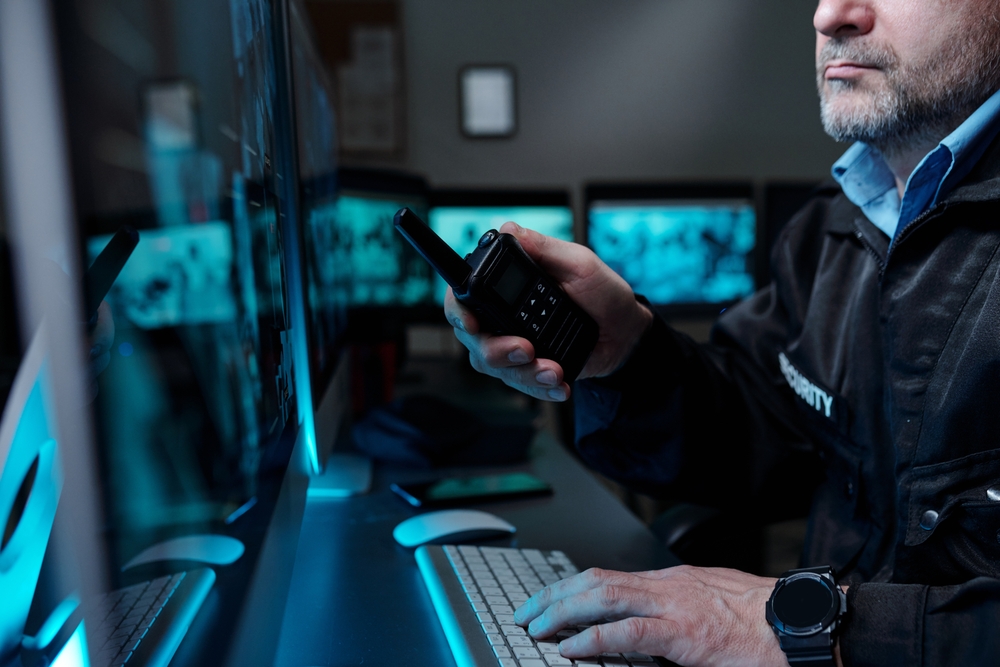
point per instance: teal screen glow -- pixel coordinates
(677, 252)
(383, 269)
(461, 227)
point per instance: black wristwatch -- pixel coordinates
(805, 611)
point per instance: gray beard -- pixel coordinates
(918, 103)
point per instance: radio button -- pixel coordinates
(487, 238)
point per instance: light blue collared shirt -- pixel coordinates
(867, 181)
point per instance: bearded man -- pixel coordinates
(885, 304)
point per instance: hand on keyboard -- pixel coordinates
(692, 616)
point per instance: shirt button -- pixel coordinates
(928, 520)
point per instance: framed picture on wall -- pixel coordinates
(488, 101)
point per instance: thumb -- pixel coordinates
(562, 260)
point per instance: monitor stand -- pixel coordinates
(344, 475)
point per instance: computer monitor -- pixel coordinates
(688, 248)
(460, 217)
(384, 270)
(184, 133)
(326, 278)
(30, 482)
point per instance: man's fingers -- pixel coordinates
(458, 315)
(571, 586)
(610, 602)
(641, 635)
(511, 359)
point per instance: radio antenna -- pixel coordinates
(448, 263)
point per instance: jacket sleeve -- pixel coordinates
(909, 624)
(709, 424)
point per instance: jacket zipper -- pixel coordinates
(914, 224)
(874, 253)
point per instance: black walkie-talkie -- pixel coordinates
(509, 293)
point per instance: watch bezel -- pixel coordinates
(805, 631)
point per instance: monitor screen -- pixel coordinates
(678, 251)
(316, 130)
(460, 220)
(384, 269)
(196, 411)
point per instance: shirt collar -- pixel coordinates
(867, 181)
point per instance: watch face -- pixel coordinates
(803, 603)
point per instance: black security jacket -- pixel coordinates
(862, 383)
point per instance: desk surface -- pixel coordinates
(356, 596)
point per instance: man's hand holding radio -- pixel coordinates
(592, 285)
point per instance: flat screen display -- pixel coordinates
(195, 412)
(675, 251)
(461, 226)
(383, 268)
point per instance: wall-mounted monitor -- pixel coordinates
(383, 269)
(688, 248)
(460, 217)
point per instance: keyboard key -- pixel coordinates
(508, 662)
(513, 630)
(485, 617)
(499, 609)
(480, 606)
(556, 660)
(495, 640)
(637, 657)
(526, 652)
(532, 663)
(504, 619)
(474, 597)
(490, 628)
(496, 600)
(547, 647)
(502, 651)
(522, 642)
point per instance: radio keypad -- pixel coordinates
(541, 316)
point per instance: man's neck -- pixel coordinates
(903, 161)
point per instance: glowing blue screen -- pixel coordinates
(678, 252)
(461, 227)
(383, 268)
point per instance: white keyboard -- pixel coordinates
(475, 591)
